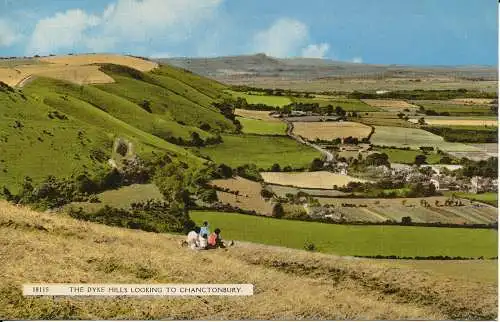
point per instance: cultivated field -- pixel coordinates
(313, 180)
(355, 240)
(79, 69)
(56, 249)
(282, 191)
(390, 104)
(415, 138)
(347, 104)
(258, 115)
(407, 156)
(454, 108)
(458, 121)
(471, 101)
(244, 194)
(379, 209)
(253, 126)
(270, 100)
(330, 130)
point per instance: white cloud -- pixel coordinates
(160, 55)
(282, 39)
(315, 50)
(62, 31)
(288, 37)
(122, 22)
(357, 60)
(8, 36)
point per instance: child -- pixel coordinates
(203, 242)
(193, 239)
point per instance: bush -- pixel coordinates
(310, 247)
(278, 210)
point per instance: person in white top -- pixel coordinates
(203, 242)
(193, 238)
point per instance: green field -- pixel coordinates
(262, 99)
(348, 104)
(354, 240)
(414, 139)
(408, 156)
(455, 109)
(261, 150)
(253, 126)
(490, 198)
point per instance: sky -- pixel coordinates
(413, 32)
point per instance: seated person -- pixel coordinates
(203, 242)
(193, 239)
(215, 240)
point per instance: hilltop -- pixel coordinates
(289, 284)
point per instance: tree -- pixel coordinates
(278, 210)
(196, 139)
(426, 149)
(340, 111)
(275, 168)
(421, 121)
(420, 159)
(224, 171)
(266, 194)
(329, 109)
(445, 160)
(316, 165)
(406, 220)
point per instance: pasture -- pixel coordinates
(313, 180)
(330, 130)
(459, 122)
(414, 139)
(244, 194)
(347, 104)
(354, 240)
(257, 115)
(263, 151)
(380, 209)
(490, 198)
(407, 156)
(389, 104)
(454, 108)
(253, 126)
(270, 100)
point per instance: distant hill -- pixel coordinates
(55, 127)
(310, 68)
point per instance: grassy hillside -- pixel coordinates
(52, 127)
(289, 284)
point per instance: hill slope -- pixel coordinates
(289, 284)
(53, 127)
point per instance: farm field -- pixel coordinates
(120, 198)
(282, 191)
(77, 69)
(257, 115)
(270, 100)
(253, 126)
(415, 138)
(347, 104)
(458, 122)
(487, 147)
(330, 130)
(389, 104)
(354, 240)
(263, 151)
(379, 209)
(248, 197)
(453, 108)
(313, 180)
(407, 156)
(490, 198)
(471, 101)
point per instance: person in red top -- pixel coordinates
(215, 240)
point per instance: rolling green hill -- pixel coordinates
(51, 127)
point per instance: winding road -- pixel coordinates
(289, 131)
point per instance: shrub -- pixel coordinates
(278, 210)
(310, 247)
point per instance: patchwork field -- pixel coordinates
(347, 104)
(490, 198)
(331, 130)
(263, 151)
(253, 126)
(248, 195)
(377, 210)
(415, 138)
(407, 156)
(471, 101)
(282, 191)
(313, 180)
(455, 109)
(354, 240)
(77, 69)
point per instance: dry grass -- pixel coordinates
(313, 180)
(289, 284)
(79, 69)
(458, 122)
(257, 115)
(248, 196)
(389, 103)
(330, 130)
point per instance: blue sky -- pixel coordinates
(417, 32)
